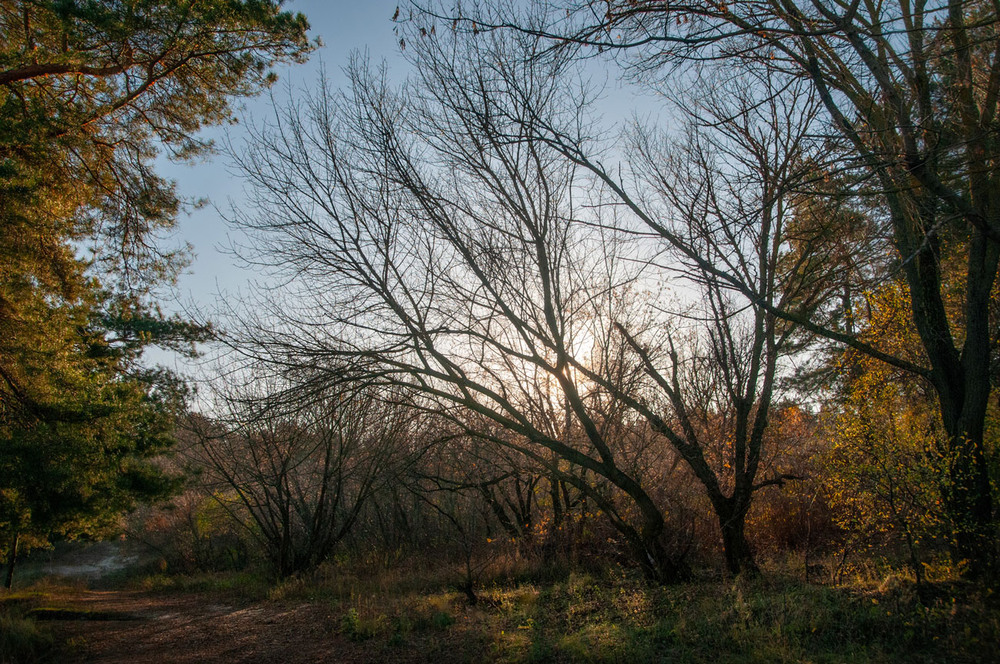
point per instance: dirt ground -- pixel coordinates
(154, 627)
(119, 626)
(114, 626)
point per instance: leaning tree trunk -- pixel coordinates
(658, 564)
(11, 560)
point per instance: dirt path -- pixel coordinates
(144, 627)
(112, 627)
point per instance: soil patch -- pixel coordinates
(119, 627)
(46, 614)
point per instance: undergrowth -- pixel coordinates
(874, 615)
(417, 611)
(247, 585)
(22, 639)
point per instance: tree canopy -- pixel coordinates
(90, 94)
(911, 94)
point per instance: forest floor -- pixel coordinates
(414, 613)
(181, 626)
(123, 627)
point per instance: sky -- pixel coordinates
(343, 27)
(214, 278)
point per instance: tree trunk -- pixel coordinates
(739, 555)
(657, 565)
(961, 378)
(11, 560)
(969, 503)
(963, 393)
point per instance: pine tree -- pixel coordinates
(90, 93)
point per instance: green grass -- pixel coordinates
(612, 618)
(245, 586)
(875, 615)
(22, 639)
(770, 620)
(415, 612)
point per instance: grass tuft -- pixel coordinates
(22, 641)
(247, 586)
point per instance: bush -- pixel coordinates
(191, 534)
(22, 641)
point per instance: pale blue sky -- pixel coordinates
(343, 28)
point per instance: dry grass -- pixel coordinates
(414, 612)
(874, 615)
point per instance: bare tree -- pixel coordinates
(911, 94)
(723, 194)
(440, 238)
(296, 473)
(431, 233)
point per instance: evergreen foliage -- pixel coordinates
(90, 94)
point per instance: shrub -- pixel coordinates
(22, 641)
